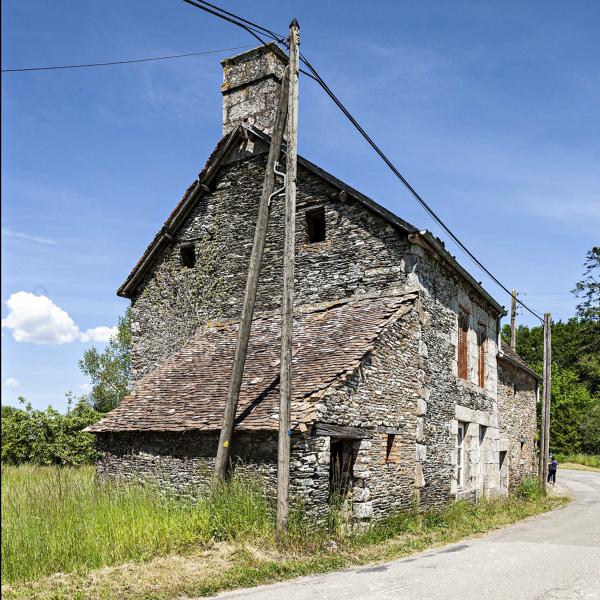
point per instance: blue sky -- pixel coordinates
(490, 110)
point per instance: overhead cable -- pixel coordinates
(247, 25)
(121, 62)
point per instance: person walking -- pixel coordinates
(552, 466)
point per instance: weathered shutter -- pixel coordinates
(463, 328)
(481, 336)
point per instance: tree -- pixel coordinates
(588, 289)
(47, 437)
(590, 430)
(109, 370)
(571, 401)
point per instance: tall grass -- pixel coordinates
(589, 460)
(61, 520)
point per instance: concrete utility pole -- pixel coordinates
(256, 257)
(287, 308)
(547, 383)
(513, 320)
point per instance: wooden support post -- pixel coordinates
(513, 320)
(287, 308)
(547, 383)
(258, 247)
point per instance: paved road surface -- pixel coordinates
(555, 556)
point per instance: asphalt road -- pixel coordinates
(555, 556)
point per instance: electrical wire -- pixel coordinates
(121, 62)
(252, 28)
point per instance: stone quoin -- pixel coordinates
(401, 393)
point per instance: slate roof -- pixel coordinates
(195, 192)
(188, 391)
(511, 356)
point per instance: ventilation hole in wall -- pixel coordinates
(315, 225)
(188, 255)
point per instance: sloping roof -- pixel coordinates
(201, 186)
(511, 356)
(188, 391)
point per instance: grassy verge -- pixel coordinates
(74, 539)
(578, 467)
(577, 461)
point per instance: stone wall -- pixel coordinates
(381, 397)
(517, 419)
(361, 253)
(182, 463)
(444, 397)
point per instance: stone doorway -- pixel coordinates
(341, 467)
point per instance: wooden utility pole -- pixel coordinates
(513, 320)
(258, 248)
(287, 308)
(547, 383)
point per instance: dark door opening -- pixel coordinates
(341, 467)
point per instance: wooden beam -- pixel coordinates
(341, 431)
(390, 430)
(287, 308)
(547, 383)
(258, 248)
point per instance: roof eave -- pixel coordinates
(436, 246)
(516, 363)
(164, 236)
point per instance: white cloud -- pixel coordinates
(85, 387)
(12, 382)
(30, 238)
(98, 334)
(36, 319)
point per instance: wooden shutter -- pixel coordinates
(481, 337)
(463, 329)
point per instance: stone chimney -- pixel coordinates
(251, 87)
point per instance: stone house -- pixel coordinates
(400, 391)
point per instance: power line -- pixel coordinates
(120, 62)
(236, 20)
(252, 28)
(414, 193)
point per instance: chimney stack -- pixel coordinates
(251, 87)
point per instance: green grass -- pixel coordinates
(63, 521)
(60, 520)
(588, 460)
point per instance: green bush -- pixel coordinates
(47, 437)
(530, 489)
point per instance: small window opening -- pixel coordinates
(188, 255)
(315, 225)
(389, 447)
